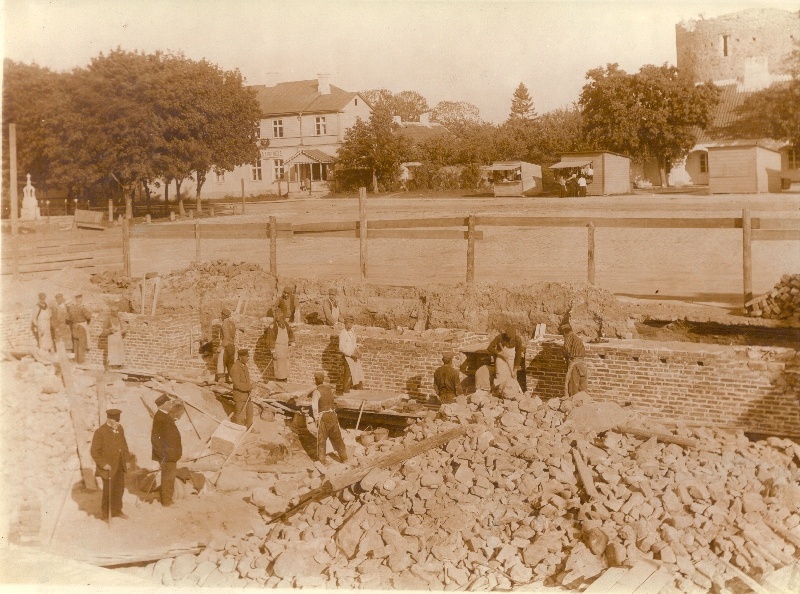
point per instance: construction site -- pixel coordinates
(676, 470)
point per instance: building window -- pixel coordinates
(256, 171)
(319, 126)
(724, 46)
(258, 131)
(277, 168)
(220, 177)
(356, 102)
(793, 157)
(703, 162)
(277, 129)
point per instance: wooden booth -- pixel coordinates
(515, 178)
(743, 169)
(605, 173)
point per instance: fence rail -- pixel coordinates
(93, 250)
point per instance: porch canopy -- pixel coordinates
(571, 163)
(310, 156)
(504, 166)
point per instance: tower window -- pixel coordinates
(725, 39)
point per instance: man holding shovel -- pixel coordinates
(110, 453)
(323, 412)
(167, 448)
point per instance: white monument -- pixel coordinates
(30, 206)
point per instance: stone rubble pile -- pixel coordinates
(781, 303)
(38, 447)
(505, 506)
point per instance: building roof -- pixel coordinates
(417, 132)
(310, 156)
(729, 126)
(300, 96)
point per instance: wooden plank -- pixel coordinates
(420, 234)
(775, 235)
(786, 223)
(114, 262)
(606, 581)
(585, 475)
(471, 249)
(417, 223)
(630, 222)
(747, 256)
(324, 227)
(663, 437)
(656, 582)
(634, 578)
(209, 231)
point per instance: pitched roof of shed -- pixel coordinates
(300, 96)
(417, 133)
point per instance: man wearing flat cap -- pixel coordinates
(240, 376)
(577, 379)
(509, 351)
(446, 380)
(352, 371)
(287, 304)
(79, 317)
(110, 453)
(40, 324)
(323, 411)
(58, 324)
(227, 346)
(167, 448)
(330, 307)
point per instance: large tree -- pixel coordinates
(652, 114)
(374, 147)
(409, 105)
(455, 114)
(522, 104)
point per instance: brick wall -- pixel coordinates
(750, 388)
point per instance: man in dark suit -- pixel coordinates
(110, 453)
(240, 375)
(167, 448)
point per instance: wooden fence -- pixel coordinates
(43, 252)
(465, 228)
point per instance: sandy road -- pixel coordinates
(703, 265)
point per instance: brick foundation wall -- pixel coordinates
(749, 388)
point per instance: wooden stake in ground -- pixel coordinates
(362, 231)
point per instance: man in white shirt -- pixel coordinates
(352, 371)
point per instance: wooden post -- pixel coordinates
(242, 195)
(747, 255)
(126, 247)
(110, 210)
(591, 252)
(471, 249)
(12, 156)
(273, 246)
(197, 242)
(362, 231)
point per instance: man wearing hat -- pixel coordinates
(279, 338)
(287, 304)
(167, 448)
(352, 371)
(240, 376)
(110, 453)
(40, 324)
(227, 346)
(446, 380)
(330, 307)
(79, 317)
(58, 323)
(509, 351)
(323, 411)
(577, 379)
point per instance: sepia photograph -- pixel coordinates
(412, 295)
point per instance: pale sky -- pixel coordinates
(460, 50)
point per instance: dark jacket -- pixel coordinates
(240, 376)
(109, 447)
(272, 334)
(519, 347)
(165, 438)
(287, 305)
(446, 381)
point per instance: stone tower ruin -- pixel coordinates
(750, 46)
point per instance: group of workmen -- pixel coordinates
(60, 325)
(507, 376)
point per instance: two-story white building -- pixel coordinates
(302, 127)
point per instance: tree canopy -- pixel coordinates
(129, 118)
(522, 104)
(652, 114)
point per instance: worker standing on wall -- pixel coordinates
(575, 354)
(79, 318)
(509, 351)
(352, 371)
(165, 438)
(227, 346)
(323, 411)
(240, 375)
(330, 308)
(279, 338)
(446, 380)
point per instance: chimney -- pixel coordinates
(272, 79)
(397, 120)
(425, 119)
(324, 85)
(756, 74)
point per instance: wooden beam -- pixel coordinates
(791, 224)
(747, 256)
(421, 234)
(590, 260)
(471, 249)
(663, 437)
(302, 228)
(362, 232)
(417, 223)
(585, 475)
(630, 222)
(126, 247)
(775, 235)
(273, 246)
